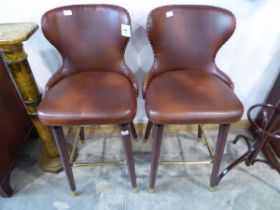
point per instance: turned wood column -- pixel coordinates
(11, 37)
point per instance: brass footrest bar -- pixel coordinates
(74, 145)
(113, 163)
(93, 164)
(117, 163)
(187, 162)
(195, 162)
(210, 150)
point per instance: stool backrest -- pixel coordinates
(188, 36)
(88, 37)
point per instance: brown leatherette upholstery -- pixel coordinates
(94, 85)
(184, 84)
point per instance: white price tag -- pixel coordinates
(124, 133)
(126, 30)
(169, 14)
(67, 12)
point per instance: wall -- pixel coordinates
(251, 57)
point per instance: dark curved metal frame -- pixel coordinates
(254, 146)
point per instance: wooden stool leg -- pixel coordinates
(221, 142)
(199, 132)
(125, 135)
(5, 187)
(82, 135)
(133, 130)
(148, 130)
(158, 131)
(62, 148)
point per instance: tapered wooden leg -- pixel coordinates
(5, 188)
(61, 146)
(199, 132)
(148, 130)
(133, 130)
(158, 131)
(82, 135)
(221, 142)
(125, 135)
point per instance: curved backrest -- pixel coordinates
(188, 36)
(88, 36)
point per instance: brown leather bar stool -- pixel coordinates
(93, 86)
(184, 85)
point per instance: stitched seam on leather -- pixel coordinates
(45, 29)
(234, 28)
(187, 6)
(127, 67)
(155, 58)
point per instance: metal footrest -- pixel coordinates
(112, 163)
(117, 163)
(91, 164)
(185, 162)
(194, 162)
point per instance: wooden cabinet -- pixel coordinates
(14, 128)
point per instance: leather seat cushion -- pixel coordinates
(89, 98)
(188, 96)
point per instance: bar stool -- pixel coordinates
(94, 86)
(184, 85)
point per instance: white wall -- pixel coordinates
(251, 57)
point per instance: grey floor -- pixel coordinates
(177, 187)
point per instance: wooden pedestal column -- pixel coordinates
(11, 37)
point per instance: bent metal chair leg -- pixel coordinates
(157, 139)
(148, 131)
(62, 148)
(125, 135)
(221, 141)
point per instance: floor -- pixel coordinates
(177, 187)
